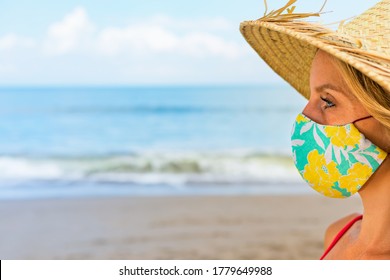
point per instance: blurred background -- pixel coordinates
(115, 97)
(143, 98)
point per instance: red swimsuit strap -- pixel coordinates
(340, 234)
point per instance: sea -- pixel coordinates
(59, 142)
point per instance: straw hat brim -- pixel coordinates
(290, 52)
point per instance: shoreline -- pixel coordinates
(170, 227)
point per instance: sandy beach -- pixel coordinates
(214, 227)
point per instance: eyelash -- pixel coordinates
(329, 104)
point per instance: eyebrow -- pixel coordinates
(324, 87)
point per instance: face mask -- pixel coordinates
(335, 160)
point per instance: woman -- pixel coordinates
(341, 139)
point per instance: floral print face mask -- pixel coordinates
(335, 160)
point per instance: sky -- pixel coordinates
(150, 42)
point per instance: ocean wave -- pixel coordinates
(149, 168)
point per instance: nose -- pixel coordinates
(312, 111)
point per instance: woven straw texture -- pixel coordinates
(288, 44)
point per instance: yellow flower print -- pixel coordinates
(321, 175)
(382, 154)
(341, 135)
(357, 175)
(301, 118)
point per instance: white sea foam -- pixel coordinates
(169, 168)
(28, 169)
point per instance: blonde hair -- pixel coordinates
(374, 98)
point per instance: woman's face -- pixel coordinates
(332, 103)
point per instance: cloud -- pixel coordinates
(69, 34)
(201, 44)
(156, 39)
(76, 33)
(12, 41)
(136, 38)
(211, 24)
(160, 49)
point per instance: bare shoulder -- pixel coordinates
(336, 227)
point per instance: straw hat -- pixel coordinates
(288, 44)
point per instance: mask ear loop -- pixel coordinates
(361, 119)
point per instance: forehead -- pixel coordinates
(326, 78)
(324, 67)
(325, 74)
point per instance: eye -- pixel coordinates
(328, 103)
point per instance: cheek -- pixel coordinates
(385, 140)
(376, 133)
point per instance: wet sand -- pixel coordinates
(199, 227)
